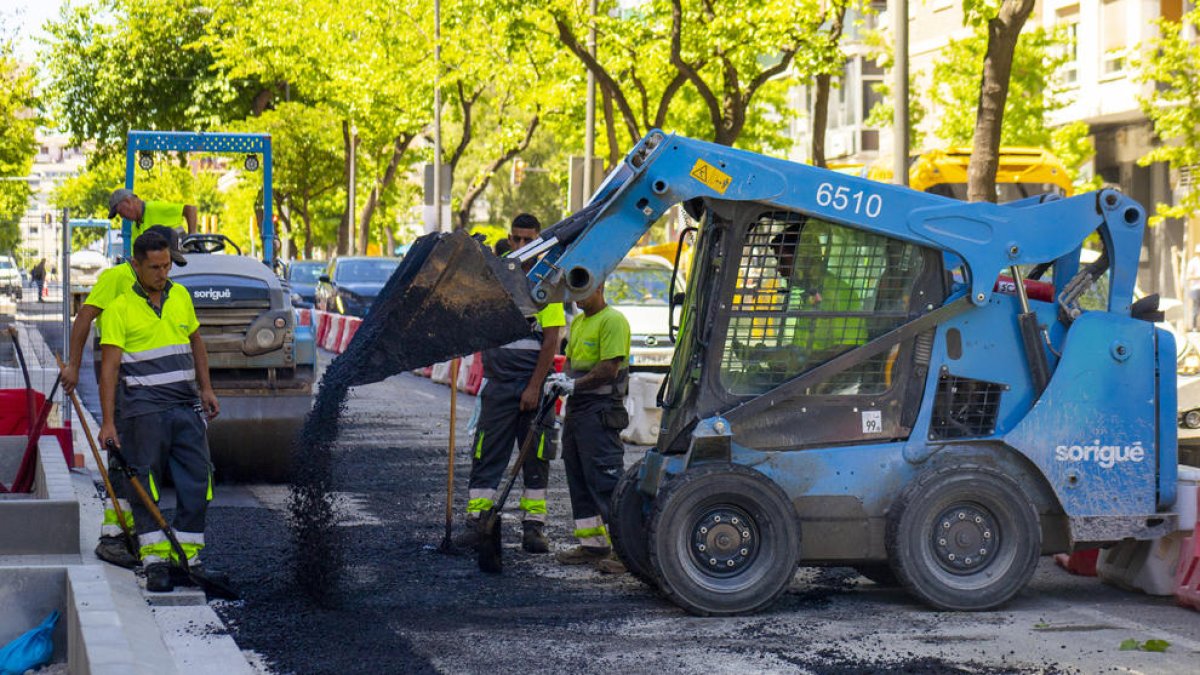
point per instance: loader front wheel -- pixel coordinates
(964, 538)
(724, 539)
(628, 526)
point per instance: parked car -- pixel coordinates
(350, 285)
(10, 278)
(302, 276)
(639, 288)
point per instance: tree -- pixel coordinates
(1004, 23)
(1172, 64)
(726, 52)
(116, 65)
(826, 61)
(18, 109)
(1034, 94)
(307, 165)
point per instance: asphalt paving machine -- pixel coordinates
(865, 375)
(260, 360)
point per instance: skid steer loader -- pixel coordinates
(865, 375)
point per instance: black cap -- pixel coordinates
(172, 237)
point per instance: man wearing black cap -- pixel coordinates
(144, 214)
(112, 283)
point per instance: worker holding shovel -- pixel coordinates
(514, 373)
(152, 349)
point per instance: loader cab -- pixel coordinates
(775, 294)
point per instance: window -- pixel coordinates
(1113, 37)
(1068, 19)
(808, 290)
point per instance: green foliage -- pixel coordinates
(883, 113)
(1153, 645)
(1034, 93)
(18, 109)
(116, 65)
(1172, 64)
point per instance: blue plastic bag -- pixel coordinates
(31, 650)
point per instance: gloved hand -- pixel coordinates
(559, 384)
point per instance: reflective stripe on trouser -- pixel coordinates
(175, 438)
(501, 426)
(154, 547)
(593, 459)
(591, 532)
(111, 525)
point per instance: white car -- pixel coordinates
(639, 288)
(10, 278)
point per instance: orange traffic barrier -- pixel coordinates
(1187, 579)
(1082, 563)
(350, 327)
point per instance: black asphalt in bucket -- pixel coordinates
(448, 298)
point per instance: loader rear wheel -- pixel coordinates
(724, 540)
(627, 526)
(964, 538)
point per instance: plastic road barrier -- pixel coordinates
(642, 406)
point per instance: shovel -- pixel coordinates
(488, 548)
(100, 464)
(211, 587)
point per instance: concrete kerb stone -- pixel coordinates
(47, 522)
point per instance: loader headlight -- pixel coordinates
(264, 338)
(1191, 419)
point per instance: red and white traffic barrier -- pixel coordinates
(304, 317)
(349, 327)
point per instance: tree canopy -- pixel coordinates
(18, 109)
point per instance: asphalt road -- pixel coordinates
(399, 606)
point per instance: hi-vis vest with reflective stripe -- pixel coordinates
(157, 368)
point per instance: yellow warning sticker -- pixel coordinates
(711, 176)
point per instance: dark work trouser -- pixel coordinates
(501, 427)
(594, 458)
(111, 525)
(173, 438)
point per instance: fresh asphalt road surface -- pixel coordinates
(402, 607)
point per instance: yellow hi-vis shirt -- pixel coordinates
(157, 368)
(112, 283)
(159, 213)
(599, 337)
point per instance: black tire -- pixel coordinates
(627, 526)
(880, 574)
(988, 515)
(734, 517)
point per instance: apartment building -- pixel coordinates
(1101, 82)
(41, 226)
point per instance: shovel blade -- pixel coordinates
(490, 558)
(449, 297)
(212, 587)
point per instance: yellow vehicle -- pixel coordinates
(1022, 172)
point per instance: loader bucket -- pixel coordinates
(449, 297)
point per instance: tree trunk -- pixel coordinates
(343, 235)
(464, 213)
(1003, 31)
(308, 248)
(610, 128)
(820, 122)
(399, 147)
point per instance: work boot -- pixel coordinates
(534, 538)
(611, 565)
(113, 550)
(158, 578)
(583, 555)
(468, 538)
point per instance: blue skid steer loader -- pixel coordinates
(933, 392)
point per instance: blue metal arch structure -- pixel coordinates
(218, 143)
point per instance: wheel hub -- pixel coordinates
(724, 541)
(965, 538)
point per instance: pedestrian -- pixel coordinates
(1193, 282)
(508, 405)
(38, 275)
(153, 352)
(111, 284)
(595, 382)
(144, 214)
